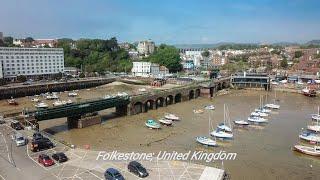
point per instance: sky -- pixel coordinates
(164, 21)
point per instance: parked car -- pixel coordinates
(60, 157)
(113, 174)
(137, 169)
(16, 125)
(45, 160)
(37, 136)
(19, 139)
(2, 121)
(41, 144)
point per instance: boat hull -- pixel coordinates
(206, 141)
(306, 150)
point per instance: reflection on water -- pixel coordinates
(264, 152)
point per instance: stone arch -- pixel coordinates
(177, 98)
(197, 93)
(137, 107)
(149, 104)
(191, 94)
(160, 102)
(169, 100)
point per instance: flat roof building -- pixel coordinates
(31, 62)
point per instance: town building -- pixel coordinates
(31, 62)
(188, 65)
(71, 71)
(1, 36)
(125, 46)
(163, 70)
(146, 47)
(145, 69)
(37, 43)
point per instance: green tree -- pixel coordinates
(167, 56)
(284, 63)
(21, 78)
(205, 53)
(28, 39)
(298, 54)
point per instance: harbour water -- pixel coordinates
(262, 152)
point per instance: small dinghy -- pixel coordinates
(209, 107)
(165, 121)
(171, 117)
(152, 124)
(41, 105)
(206, 141)
(241, 122)
(72, 94)
(311, 137)
(198, 111)
(255, 119)
(312, 151)
(218, 133)
(35, 100)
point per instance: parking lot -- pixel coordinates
(21, 162)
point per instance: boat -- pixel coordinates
(12, 101)
(263, 110)
(310, 92)
(198, 111)
(152, 124)
(241, 122)
(312, 151)
(272, 106)
(165, 121)
(315, 128)
(221, 134)
(310, 137)
(59, 103)
(69, 101)
(206, 141)
(209, 107)
(259, 114)
(171, 117)
(226, 126)
(51, 97)
(35, 100)
(41, 105)
(316, 117)
(72, 94)
(256, 119)
(142, 90)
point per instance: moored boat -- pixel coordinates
(171, 117)
(310, 137)
(315, 128)
(315, 117)
(255, 119)
(206, 141)
(35, 100)
(198, 111)
(224, 127)
(41, 105)
(72, 94)
(165, 121)
(218, 133)
(209, 107)
(241, 122)
(152, 124)
(263, 110)
(312, 151)
(12, 101)
(260, 114)
(307, 91)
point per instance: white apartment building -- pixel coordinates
(145, 69)
(146, 47)
(31, 62)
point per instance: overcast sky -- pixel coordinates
(164, 21)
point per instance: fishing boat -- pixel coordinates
(72, 94)
(209, 107)
(198, 111)
(35, 100)
(312, 151)
(256, 119)
(152, 124)
(165, 121)
(221, 134)
(12, 101)
(41, 105)
(310, 92)
(310, 137)
(171, 117)
(206, 141)
(241, 122)
(226, 125)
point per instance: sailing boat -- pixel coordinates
(274, 105)
(223, 131)
(316, 126)
(316, 117)
(261, 109)
(206, 140)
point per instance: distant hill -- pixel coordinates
(315, 42)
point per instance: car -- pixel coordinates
(60, 157)
(41, 144)
(113, 174)
(19, 139)
(2, 121)
(137, 169)
(37, 136)
(45, 160)
(16, 125)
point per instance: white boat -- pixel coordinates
(72, 94)
(198, 111)
(313, 151)
(272, 106)
(152, 124)
(142, 90)
(69, 101)
(206, 141)
(316, 117)
(226, 125)
(311, 137)
(59, 103)
(241, 122)
(41, 105)
(165, 121)
(35, 100)
(263, 110)
(218, 133)
(259, 114)
(315, 128)
(256, 119)
(51, 97)
(171, 117)
(209, 107)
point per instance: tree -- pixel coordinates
(21, 78)
(29, 40)
(284, 63)
(205, 53)
(167, 56)
(298, 54)
(81, 75)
